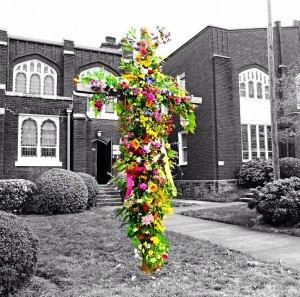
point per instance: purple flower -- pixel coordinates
(156, 145)
(155, 172)
(146, 149)
(143, 186)
(150, 80)
(135, 92)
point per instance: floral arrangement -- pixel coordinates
(147, 157)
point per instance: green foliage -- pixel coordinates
(18, 253)
(59, 191)
(14, 193)
(255, 173)
(289, 167)
(93, 188)
(279, 202)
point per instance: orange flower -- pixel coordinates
(135, 143)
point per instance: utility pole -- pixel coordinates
(275, 153)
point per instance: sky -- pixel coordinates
(89, 22)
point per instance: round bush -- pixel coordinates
(279, 202)
(59, 191)
(14, 193)
(18, 253)
(255, 173)
(93, 188)
(289, 167)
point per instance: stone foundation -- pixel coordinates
(203, 189)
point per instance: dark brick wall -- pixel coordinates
(34, 106)
(195, 59)
(67, 65)
(212, 61)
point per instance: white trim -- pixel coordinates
(2, 110)
(180, 149)
(220, 56)
(2, 86)
(4, 43)
(81, 94)
(35, 40)
(103, 50)
(39, 160)
(68, 52)
(55, 97)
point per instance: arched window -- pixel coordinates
(259, 90)
(48, 139)
(242, 89)
(35, 77)
(256, 82)
(107, 110)
(21, 82)
(251, 89)
(35, 84)
(49, 85)
(29, 138)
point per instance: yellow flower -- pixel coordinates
(150, 253)
(129, 76)
(146, 63)
(143, 120)
(138, 57)
(152, 187)
(154, 239)
(158, 226)
(135, 143)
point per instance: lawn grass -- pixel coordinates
(240, 215)
(89, 255)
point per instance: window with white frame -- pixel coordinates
(254, 84)
(182, 148)
(107, 111)
(34, 77)
(256, 142)
(38, 141)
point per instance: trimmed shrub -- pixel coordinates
(14, 193)
(18, 253)
(278, 202)
(93, 188)
(289, 167)
(59, 191)
(255, 173)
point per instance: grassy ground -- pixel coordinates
(88, 255)
(240, 215)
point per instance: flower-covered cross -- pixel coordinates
(147, 157)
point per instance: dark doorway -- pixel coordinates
(103, 161)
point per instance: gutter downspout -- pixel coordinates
(69, 111)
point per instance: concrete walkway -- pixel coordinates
(262, 246)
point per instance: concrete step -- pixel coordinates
(117, 196)
(245, 199)
(109, 203)
(109, 192)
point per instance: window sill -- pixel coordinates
(103, 116)
(182, 164)
(38, 162)
(51, 97)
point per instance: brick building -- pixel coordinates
(229, 70)
(44, 121)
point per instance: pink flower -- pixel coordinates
(140, 169)
(98, 104)
(150, 97)
(143, 51)
(164, 257)
(146, 149)
(155, 172)
(135, 92)
(147, 219)
(157, 116)
(156, 145)
(143, 186)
